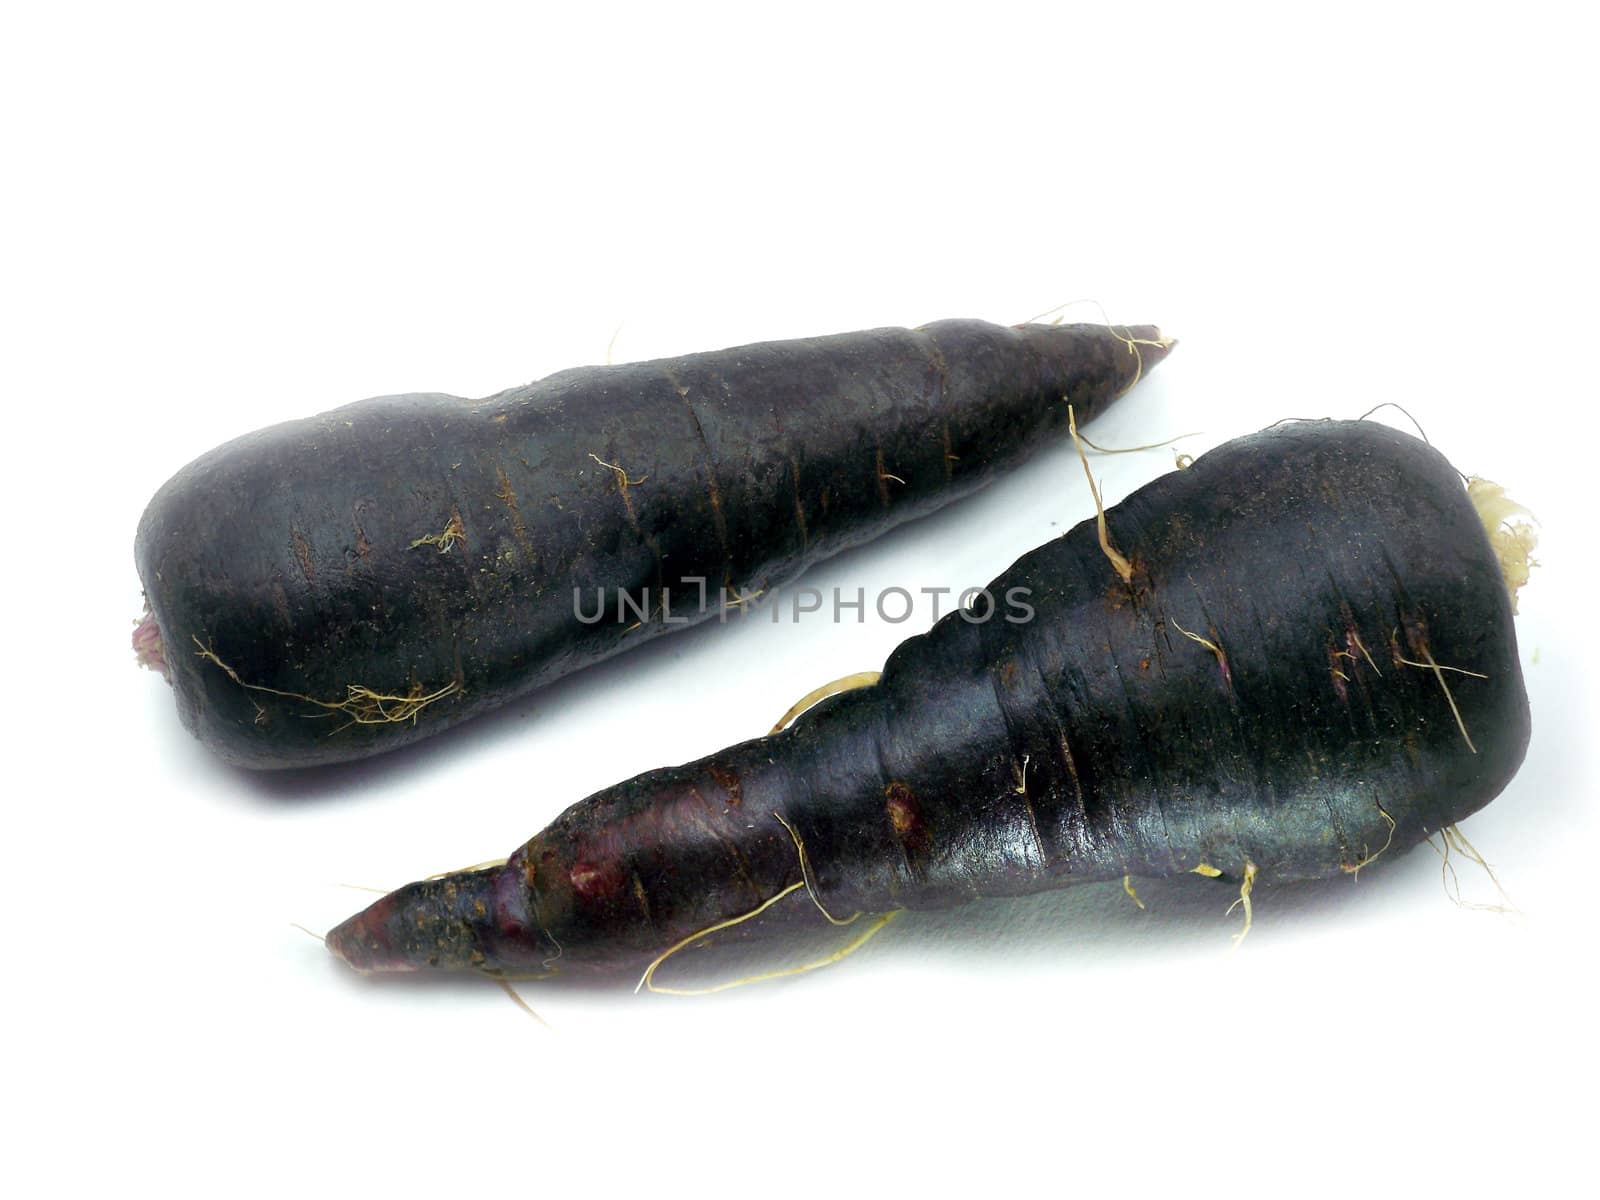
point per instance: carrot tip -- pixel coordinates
(367, 941)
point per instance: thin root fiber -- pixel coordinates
(361, 704)
(844, 683)
(1438, 673)
(1245, 888)
(1118, 561)
(1354, 869)
(452, 534)
(1455, 842)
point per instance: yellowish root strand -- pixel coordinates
(655, 606)
(1133, 344)
(1447, 872)
(1123, 567)
(454, 532)
(1126, 337)
(1183, 461)
(849, 948)
(1361, 646)
(1453, 832)
(1430, 665)
(361, 704)
(845, 683)
(492, 864)
(805, 874)
(1354, 869)
(623, 479)
(1206, 642)
(1245, 889)
(508, 989)
(1438, 673)
(1514, 541)
(1135, 449)
(646, 981)
(1207, 870)
(1127, 886)
(1455, 840)
(742, 598)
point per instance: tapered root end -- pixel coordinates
(1150, 343)
(447, 922)
(364, 941)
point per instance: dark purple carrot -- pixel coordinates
(334, 587)
(1292, 658)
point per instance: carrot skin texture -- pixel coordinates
(426, 545)
(1320, 562)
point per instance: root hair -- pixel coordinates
(1125, 337)
(1438, 673)
(861, 939)
(1098, 449)
(1222, 658)
(647, 980)
(806, 876)
(623, 479)
(361, 704)
(1354, 869)
(1399, 408)
(452, 533)
(506, 986)
(845, 683)
(1118, 561)
(1247, 886)
(1455, 841)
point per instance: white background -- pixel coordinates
(217, 218)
